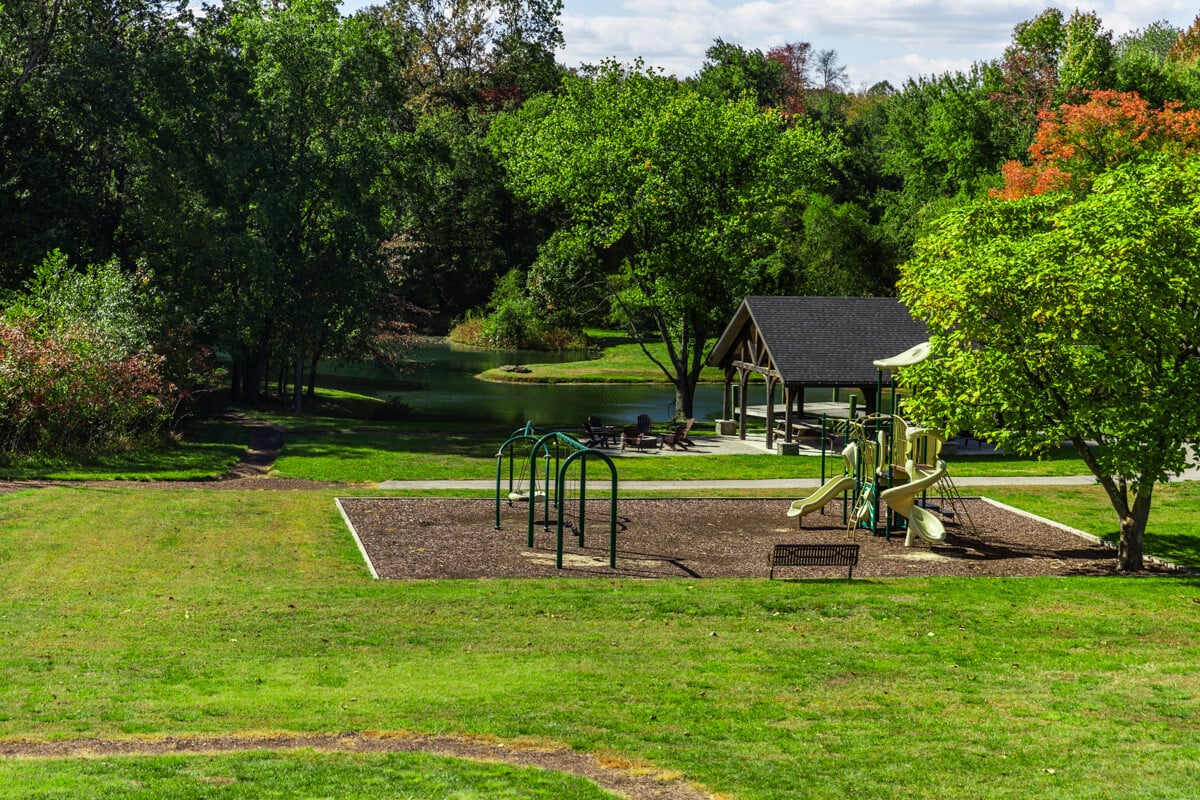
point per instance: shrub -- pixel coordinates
(61, 394)
(469, 331)
(77, 374)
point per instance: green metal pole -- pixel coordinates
(499, 468)
(546, 495)
(532, 500)
(612, 520)
(582, 497)
(558, 536)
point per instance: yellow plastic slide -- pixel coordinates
(832, 488)
(902, 500)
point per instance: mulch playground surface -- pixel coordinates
(426, 538)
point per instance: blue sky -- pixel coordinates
(875, 39)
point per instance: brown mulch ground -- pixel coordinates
(410, 538)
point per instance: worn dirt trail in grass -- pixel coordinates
(628, 779)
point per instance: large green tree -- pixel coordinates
(730, 71)
(457, 63)
(1071, 317)
(269, 182)
(670, 196)
(71, 75)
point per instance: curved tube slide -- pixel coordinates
(902, 499)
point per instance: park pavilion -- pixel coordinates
(809, 342)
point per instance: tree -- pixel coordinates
(836, 252)
(666, 194)
(1141, 64)
(1064, 317)
(795, 58)
(830, 75)
(1085, 63)
(943, 141)
(474, 53)
(464, 227)
(276, 149)
(729, 71)
(1076, 143)
(457, 63)
(1026, 79)
(71, 78)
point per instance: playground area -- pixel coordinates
(425, 538)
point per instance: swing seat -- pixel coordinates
(524, 496)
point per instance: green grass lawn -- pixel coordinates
(151, 612)
(1173, 531)
(343, 444)
(340, 446)
(206, 449)
(253, 776)
(619, 363)
(331, 450)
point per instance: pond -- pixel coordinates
(443, 386)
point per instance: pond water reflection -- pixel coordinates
(443, 386)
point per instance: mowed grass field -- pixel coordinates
(140, 613)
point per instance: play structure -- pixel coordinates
(887, 482)
(551, 468)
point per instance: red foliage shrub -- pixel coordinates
(62, 395)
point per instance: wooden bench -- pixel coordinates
(815, 555)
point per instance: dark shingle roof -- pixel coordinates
(823, 341)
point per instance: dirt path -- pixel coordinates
(634, 781)
(252, 470)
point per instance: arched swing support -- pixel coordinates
(551, 447)
(505, 453)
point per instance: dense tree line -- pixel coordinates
(287, 184)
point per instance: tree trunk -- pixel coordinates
(1133, 533)
(235, 378)
(1132, 517)
(312, 374)
(298, 385)
(684, 401)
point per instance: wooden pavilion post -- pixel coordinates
(789, 397)
(726, 399)
(868, 399)
(743, 380)
(770, 411)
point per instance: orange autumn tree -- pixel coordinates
(1076, 143)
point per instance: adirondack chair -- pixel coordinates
(632, 437)
(598, 435)
(677, 438)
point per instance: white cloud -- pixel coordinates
(877, 40)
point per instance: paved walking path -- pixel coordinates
(772, 483)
